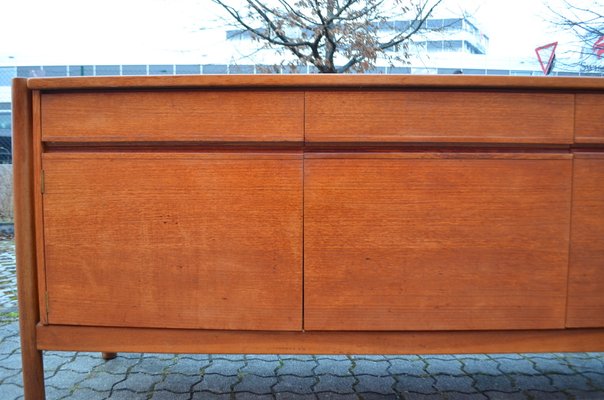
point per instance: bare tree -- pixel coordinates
(333, 35)
(585, 21)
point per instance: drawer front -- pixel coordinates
(214, 116)
(590, 118)
(434, 244)
(197, 241)
(586, 275)
(439, 116)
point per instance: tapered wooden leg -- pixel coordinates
(25, 244)
(108, 356)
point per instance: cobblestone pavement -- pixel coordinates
(167, 376)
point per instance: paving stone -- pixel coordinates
(462, 384)
(409, 384)
(491, 395)
(507, 356)
(566, 382)
(408, 368)
(584, 364)
(335, 384)
(12, 376)
(369, 357)
(535, 382)
(333, 367)
(178, 383)
(294, 396)
(371, 367)
(256, 384)
(477, 357)
(216, 383)
(379, 396)
(100, 381)
(166, 395)
(596, 380)
(465, 396)
(486, 366)
(228, 357)
(53, 362)
(420, 396)
(263, 357)
(261, 367)
(12, 363)
(295, 384)
(10, 391)
(253, 396)
(518, 366)
(448, 367)
(549, 366)
(210, 396)
(201, 358)
(337, 396)
(159, 356)
(83, 364)
(87, 394)
(9, 346)
(300, 368)
(187, 366)
(118, 366)
(153, 366)
(54, 393)
(542, 395)
(499, 383)
(301, 357)
(126, 394)
(139, 382)
(374, 384)
(582, 395)
(65, 378)
(225, 367)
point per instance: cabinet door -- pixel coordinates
(211, 241)
(586, 275)
(397, 242)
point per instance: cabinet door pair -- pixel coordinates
(331, 242)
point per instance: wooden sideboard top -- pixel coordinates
(319, 81)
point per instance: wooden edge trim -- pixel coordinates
(593, 155)
(443, 155)
(153, 155)
(25, 242)
(317, 81)
(78, 338)
(583, 139)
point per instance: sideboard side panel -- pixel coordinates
(25, 239)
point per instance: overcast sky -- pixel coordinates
(168, 31)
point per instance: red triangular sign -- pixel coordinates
(599, 47)
(546, 55)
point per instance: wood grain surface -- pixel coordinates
(76, 338)
(586, 274)
(229, 116)
(439, 116)
(589, 125)
(435, 244)
(174, 242)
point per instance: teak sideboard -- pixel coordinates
(308, 214)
